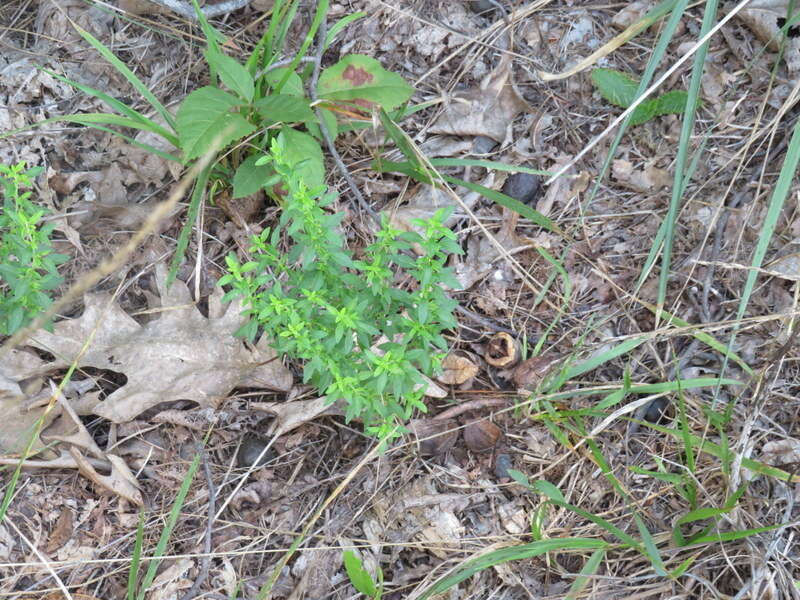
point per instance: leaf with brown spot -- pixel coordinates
(363, 81)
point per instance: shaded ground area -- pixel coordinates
(577, 299)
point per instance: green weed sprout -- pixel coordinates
(362, 338)
(28, 264)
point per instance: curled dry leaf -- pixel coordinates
(290, 415)
(181, 355)
(457, 370)
(434, 437)
(502, 351)
(487, 110)
(529, 374)
(62, 530)
(121, 481)
(19, 420)
(482, 436)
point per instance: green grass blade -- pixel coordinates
(779, 194)
(508, 202)
(320, 14)
(341, 24)
(676, 9)
(689, 115)
(493, 165)
(120, 107)
(133, 574)
(708, 447)
(194, 206)
(137, 83)
(504, 555)
(583, 578)
(650, 549)
(161, 547)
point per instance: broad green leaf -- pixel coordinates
(362, 79)
(283, 108)
(293, 85)
(233, 74)
(204, 114)
(249, 177)
(358, 575)
(303, 151)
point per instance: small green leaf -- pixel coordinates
(249, 177)
(672, 103)
(283, 108)
(362, 80)
(293, 85)
(358, 575)
(304, 152)
(204, 114)
(615, 87)
(233, 74)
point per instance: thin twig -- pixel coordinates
(187, 10)
(326, 134)
(205, 562)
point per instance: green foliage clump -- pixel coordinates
(28, 264)
(362, 338)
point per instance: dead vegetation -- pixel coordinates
(157, 370)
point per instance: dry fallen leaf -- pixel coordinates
(765, 18)
(457, 370)
(529, 374)
(434, 437)
(781, 452)
(179, 355)
(62, 530)
(19, 420)
(121, 481)
(641, 180)
(487, 110)
(482, 435)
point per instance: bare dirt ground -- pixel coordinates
(436, 500)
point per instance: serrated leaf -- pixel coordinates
(233, 74)
(671, 103)
(204, 114)
(249, 177)
(615, 87)
(362, 79)
(284, 108)
(304, 152)
(293, 85)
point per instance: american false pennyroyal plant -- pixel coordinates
(28, 262)
(363, 338)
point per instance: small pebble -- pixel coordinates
(657, 411)
(501, 466)
(483, 145)
(523, 187)
(249, 451)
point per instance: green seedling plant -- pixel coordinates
(28, 263)
(365, 337)
(621, 90)
(251, 103)
(360, 577)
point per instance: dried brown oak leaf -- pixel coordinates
(181, 355)
(487, 110)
